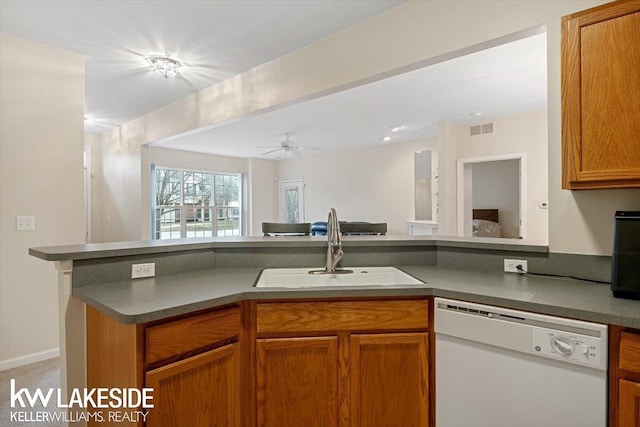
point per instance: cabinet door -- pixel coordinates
(297, 382)
(389, 380)
(600, 102)
(202, 391)
(629, 404)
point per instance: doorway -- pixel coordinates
(292, 201)
(492, 190)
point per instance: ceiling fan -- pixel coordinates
(288, 146)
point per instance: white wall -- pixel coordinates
(447, 189)
(261, 187)
(93, 145)
(496, 185)
(41, 175)
(121, 190)
(163, 157)
(263, 194)
(423, 190)
(415, 31)
(523, 133)
(367, 184)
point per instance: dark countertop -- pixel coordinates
(146, 300)
(147, 247)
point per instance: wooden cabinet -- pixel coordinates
(343, 363)
(200, 391)
(347, 363)
(624, 371)
(629, 404)
(600, 102)
(193, 363)
(389, 380)
(297, 382)
(114, 358)
(315, 317)
(172, 339)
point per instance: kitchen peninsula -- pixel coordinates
(202, 312)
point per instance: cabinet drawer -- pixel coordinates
(181, 336)
(342, 316)
(630, 352)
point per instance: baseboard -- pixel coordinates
(28, 359)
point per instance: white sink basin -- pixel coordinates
(361, 276)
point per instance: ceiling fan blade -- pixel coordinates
(269, 146)
(272, 151)
(312, 148)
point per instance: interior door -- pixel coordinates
(292, 201)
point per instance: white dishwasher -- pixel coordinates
(498, 367)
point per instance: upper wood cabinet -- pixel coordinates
(601, 97)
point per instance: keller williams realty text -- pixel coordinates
(72, 417)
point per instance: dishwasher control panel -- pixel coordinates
(566, 345)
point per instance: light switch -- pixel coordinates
(25, 223)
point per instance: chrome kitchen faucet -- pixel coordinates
(334, 247)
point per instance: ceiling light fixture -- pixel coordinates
(165, 66)
(386, 139)
(88, 120)
(476, 114)
(395, 128)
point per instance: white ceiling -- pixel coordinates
(215, 39)
(501, 81)
(219, 39)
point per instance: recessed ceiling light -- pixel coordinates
(165, 66)
(386, 139)
(396, 128)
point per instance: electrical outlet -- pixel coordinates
(25, 223)
(143, 270)
(511, 265)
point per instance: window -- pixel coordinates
(196, 204)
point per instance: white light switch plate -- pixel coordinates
(25, 223)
